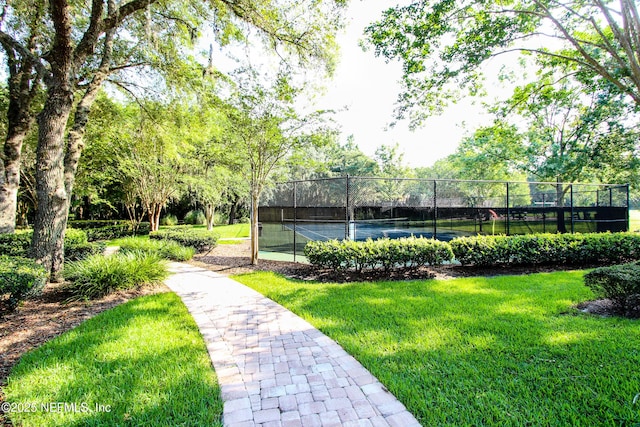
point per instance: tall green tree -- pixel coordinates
(267, 129)
(442, 44)
(65, 56)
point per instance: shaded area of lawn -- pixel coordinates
(141, 363)
(506, 350)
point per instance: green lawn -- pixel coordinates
(232, 231)
(634, 220)
(143, 363)
(505, 350)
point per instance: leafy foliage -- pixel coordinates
(385, 254)
(76, 245)
(20, 278)
(199, 239)
(195, 218)
(620, 284)
(107, 230)
(442, 44)
(576, 249)
(98, 275)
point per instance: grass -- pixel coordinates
(232, 231)
(634, 220)
(506, 350)
(141, 363)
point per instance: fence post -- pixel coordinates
(628, 207)
(435, 209)
(346, 213)
(508, 225)
(295, 215)
(572, 211)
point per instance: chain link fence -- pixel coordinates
(356, 208)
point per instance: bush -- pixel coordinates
(107, 230)
(75, 252)
(618, 283)
(195, 218)
(199, 239)
(76, 245)
(20, 278)
(164, 248)
(169, 220)
(383, 254)
(97, 275)
(15, 244)
(535, 249)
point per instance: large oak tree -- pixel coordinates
(78, 48)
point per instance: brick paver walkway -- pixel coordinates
(274, 368)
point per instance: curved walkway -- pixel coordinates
(274, 368)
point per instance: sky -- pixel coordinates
(368, 87)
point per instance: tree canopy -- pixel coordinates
(442, 44)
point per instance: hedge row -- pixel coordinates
(483, 251)
(107, 230)
(20, 278)
(199, 239)
(618, 283)
(534, 249)
(76, 244)
(381, 254)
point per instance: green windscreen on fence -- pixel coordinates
(356, 208)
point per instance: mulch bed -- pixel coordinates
(47, 316)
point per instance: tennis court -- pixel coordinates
(362, 230)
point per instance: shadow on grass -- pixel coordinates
(481, 351)
(143, 363)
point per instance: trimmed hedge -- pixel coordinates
(20, 278)
(383, 254)
(107, 230)
(76, 244)
(199, 239)
(618, 283)
(535, 249)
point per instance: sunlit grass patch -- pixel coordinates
(141, 363)
(507, 350)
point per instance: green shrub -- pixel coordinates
(164, 248)
(15, 244)
(195, 218)
(20, 278)
(618, 283)
(244, 220)
(383, 254)
(199, 239)
(107, 230)
(536, 249)
(75, 243)
(169, 220)
(97, 275)
(75, 252)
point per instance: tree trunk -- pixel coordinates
(234, 208)
(10, 177)
(154, 216)
(51, 214)
(209, 211)
(254, 227)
